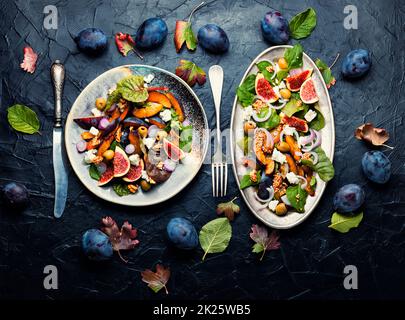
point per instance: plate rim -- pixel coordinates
(206, 139)
(305, 215)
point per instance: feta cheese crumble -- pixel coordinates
(278, 156)
(148, 78)
(149, 142)
(90, 155)
(273, 204)
(112, 89)
(94, 131)
(134, 159)
(292, 178)
(166, 115)
(310, 115)
(289, 131)
(281, 85)
(96, 112)
(247, 113)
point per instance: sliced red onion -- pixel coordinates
(315, 157)
(103, 124)
(318, 139)
(101, 167)
(153, 130)
(169, 165)
(281, 106)
(308, 147)
(269, 137)
(296, 71)
(256, 117)
(304, 184)
(130, 149)
(285, 200)
(271, 195)
(186, 123)
(112, 108)
(81, 146)
(307, 139)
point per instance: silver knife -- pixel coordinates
(59, 169)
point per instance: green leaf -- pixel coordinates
(23, 119)
(319, 122)
(262, 66)
(303, 24)
(281, 75)
(191, 73)
(244, 144)
(312, 183)
(323, 167)
(190, 38)
(113, 97)
(271, 122)
(186, 138)
(246, 91)
(215, 236)
(93, 172)
(246, 182)
(344, 223)
(132, 89)
(326, 73)
(294, 56)
(292, 107)
(229, 209)
(121, 189)
(297, 197)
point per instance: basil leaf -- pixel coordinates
(319, 122)
(249, 83)
(132, 89)
(23, 119)
(297, 197)
(215, 236)
(246, 91)
(113, 97)
(121, 189)
(271, 122)
(94, 173)
(302, 24)
(294, 56)
(262, 66)
(326, 72)
(245, 182)
(323, 167)
(186, 138)
(292, 107)
(281, 75)
(344, 223)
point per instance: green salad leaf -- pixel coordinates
(23, 119)
(186, 138)
(93, 172)
(297, 197)
(246, 91)
(113, 97)
(319, 122)
(281, 75)
(246, 182)
(326, 73)
(244, 144)
(302, 25)
(262, 66)
(323, 167)
(271, 122)
(215, 236)
(121, 189)
(343, 223)
(294, 56)
(132, 89)
(292, 107)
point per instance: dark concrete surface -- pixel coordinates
(312, 257)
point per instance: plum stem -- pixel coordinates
(387, 146)
(137, 53)
(261, 257)
(334, 61)
(121, 257)
(234, 199)
(194, 10)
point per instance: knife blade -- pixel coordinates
(59, 168)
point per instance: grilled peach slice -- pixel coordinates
(176, 105)
(150, 109)
(160, 98)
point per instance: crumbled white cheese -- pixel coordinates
(278, 156)
(247, 113)
(145, 176)
(134, 159)
(310, 115)
(96, 112)
(90, 155)
(149, 142)
(148, 78)
(292, 178)
(273, 204)
(289, 131)
(281, 85)
(166, 115)
(112, 89)
(277, 90)
(94, 131)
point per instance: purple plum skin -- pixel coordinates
(348, 198)
(213, 38)
(356, 63)
(15, 195)
(92, 41)
(275, 27)
(96, 245)
(182, 233)
(376, 166)
(151, 34)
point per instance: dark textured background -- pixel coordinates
(312, 257)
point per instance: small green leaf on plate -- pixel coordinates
(121, 189)
(94, 173)
(23, 119)
(343, 223)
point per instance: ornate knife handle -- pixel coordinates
(58, 79)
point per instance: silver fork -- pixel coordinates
(219, 168)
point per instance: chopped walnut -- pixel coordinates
(277, 182)
(258, 105)
(253, 176)
(97, 160)
(159, 165)
(270, 68)
(133, 188)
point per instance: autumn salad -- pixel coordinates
(136, 136)
(282, 133)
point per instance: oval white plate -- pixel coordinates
(193, 110)
(292, 218)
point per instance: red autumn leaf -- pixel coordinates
(30, 60)
(125, 44)
(264, 241)
(156, 280)
(121, 239)
(375, 136)
(191, 73)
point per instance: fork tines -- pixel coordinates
(219, 178)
